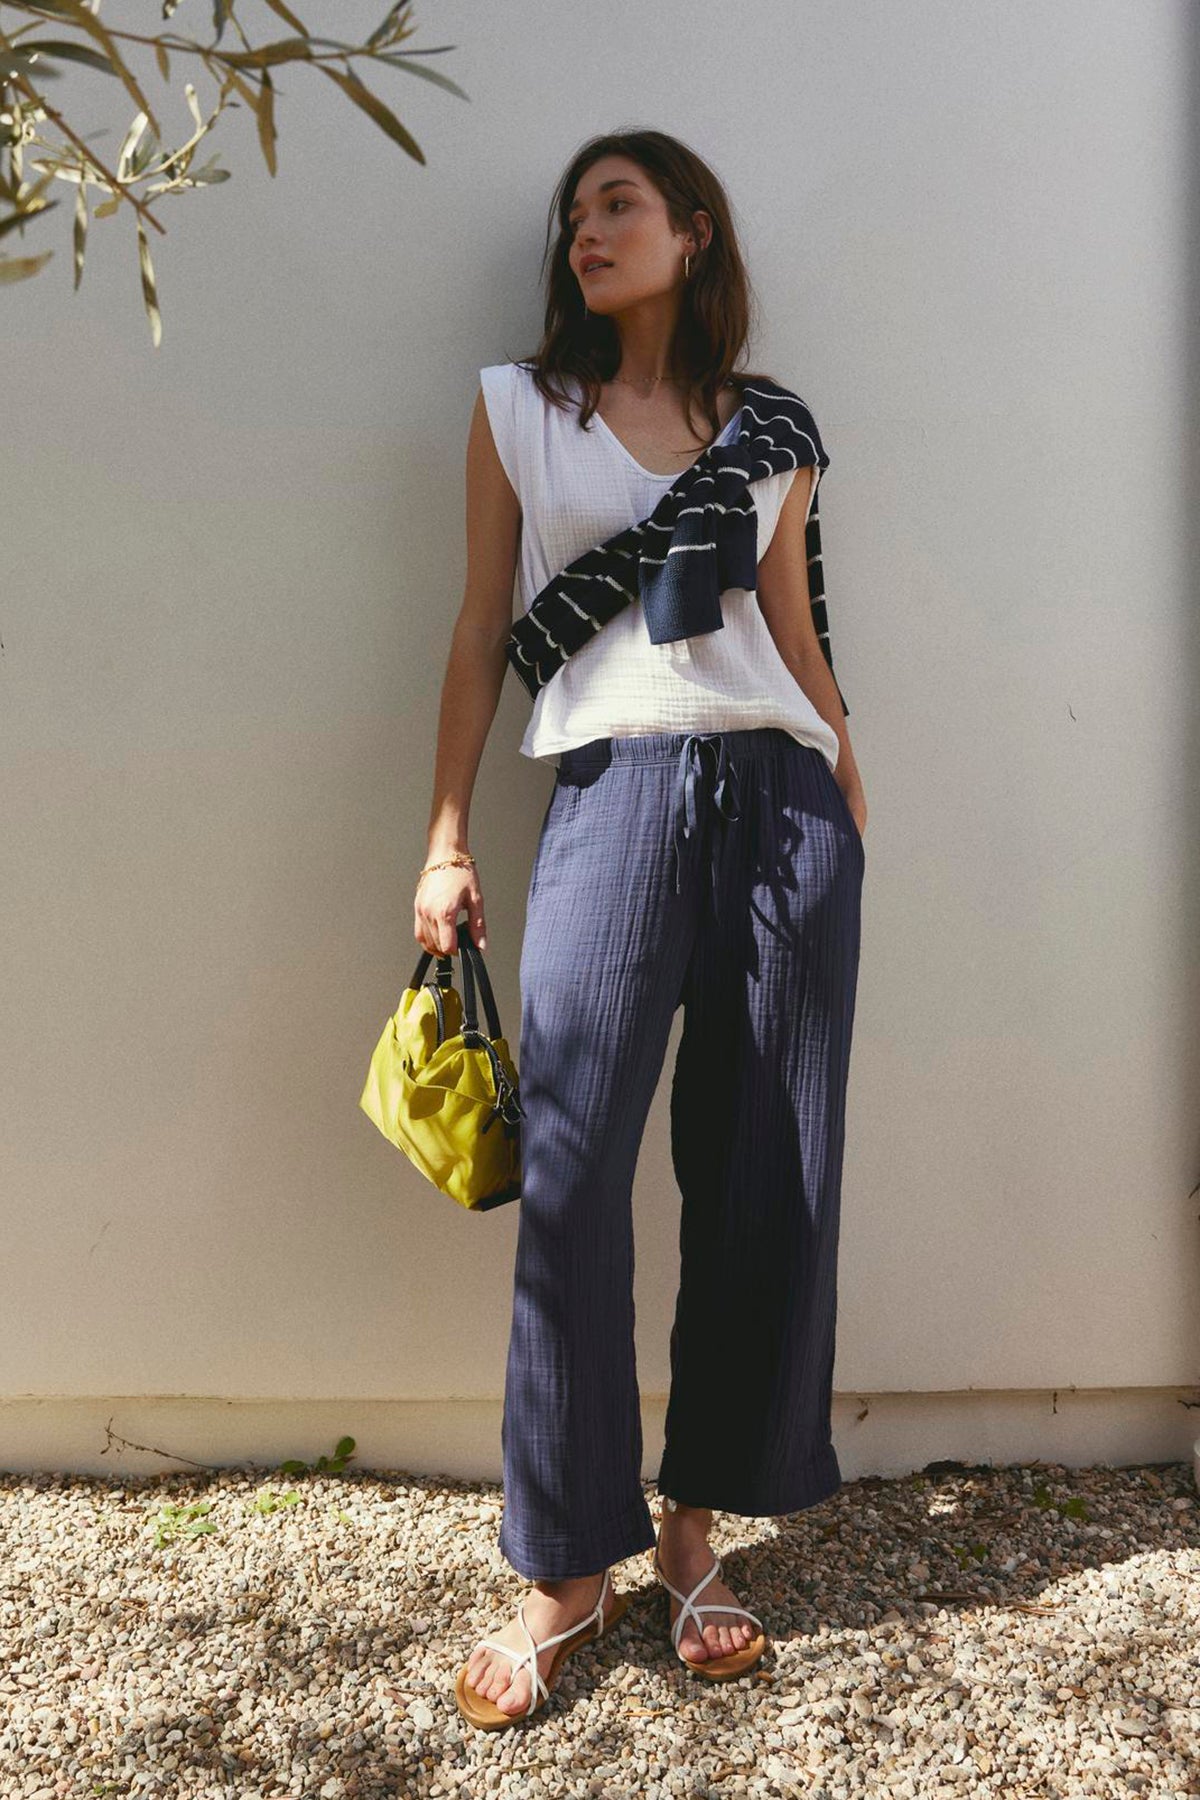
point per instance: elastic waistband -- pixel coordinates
(667, 746)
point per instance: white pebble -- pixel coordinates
(300, 1653)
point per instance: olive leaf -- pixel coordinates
(40, 146)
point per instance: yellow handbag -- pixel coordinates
(445, 1092)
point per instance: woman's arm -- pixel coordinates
(786, 604)
(470, 688)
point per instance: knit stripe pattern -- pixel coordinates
(701, 538)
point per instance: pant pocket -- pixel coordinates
(851, 821)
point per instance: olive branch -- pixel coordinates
(37, 137)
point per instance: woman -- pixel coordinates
(697, 850)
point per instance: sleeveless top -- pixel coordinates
(576, 488)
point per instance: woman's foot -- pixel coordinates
(684, 1556)
(550, 1607)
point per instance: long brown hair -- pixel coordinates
(714, 319)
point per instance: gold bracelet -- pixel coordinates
(460, 860)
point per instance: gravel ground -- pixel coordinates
(1028, 1631)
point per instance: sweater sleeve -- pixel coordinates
(498, 383)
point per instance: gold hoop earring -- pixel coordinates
(686, 267)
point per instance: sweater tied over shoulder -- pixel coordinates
(700, 539)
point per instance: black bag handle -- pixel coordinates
(508, 1107)
(473, 969)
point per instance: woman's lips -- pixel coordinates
(598, 270)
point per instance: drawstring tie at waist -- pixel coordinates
(725, 793)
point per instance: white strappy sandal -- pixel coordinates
(490, 1717)
(716, 1668)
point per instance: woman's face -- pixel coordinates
(619, 215)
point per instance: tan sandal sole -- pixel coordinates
(725, 1668)
(485, 1714)
(717, 1668)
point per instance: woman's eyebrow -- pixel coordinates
(617, 181)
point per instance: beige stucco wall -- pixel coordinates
(232, 567)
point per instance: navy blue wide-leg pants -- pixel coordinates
(722, 872)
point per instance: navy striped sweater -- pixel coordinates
(701, 538)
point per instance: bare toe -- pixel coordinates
(515, 1697)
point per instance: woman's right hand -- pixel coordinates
(441, 896)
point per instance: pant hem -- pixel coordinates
(821, 1482)
(559, 1558)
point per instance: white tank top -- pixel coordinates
(577, 488)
